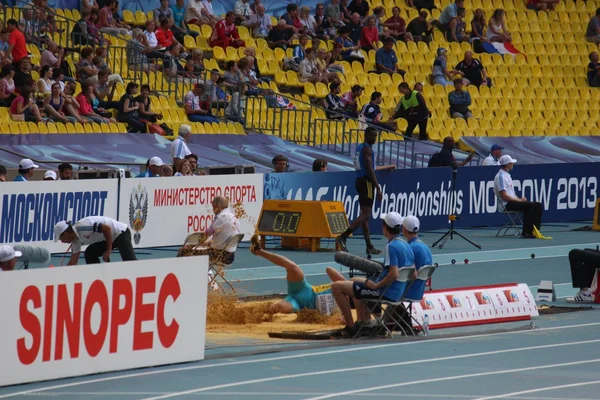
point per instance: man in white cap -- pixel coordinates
(50, 176)
(398, 254)
(508, 200)
(154, 169)
(26, 170)
(494, 157)
(179, 147)
(8, 258)
(423, 257)
(101, 234)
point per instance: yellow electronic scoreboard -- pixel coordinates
(299, 221)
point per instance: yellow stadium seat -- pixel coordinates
(206, 31)
(219, 54)
(202, 43)
(189, 42)
(322, 90)
(310, 90)
(232, 54)
(128, 17)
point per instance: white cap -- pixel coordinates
(26, 163)
(50, 174)
(7, 253)
(506, 159)
(59, 228)
(156, 161)
(392, 219)
(411, 224)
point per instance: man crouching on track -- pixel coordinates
(301, 294)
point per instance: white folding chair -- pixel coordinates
(412, 296)
(404, 275)
(514, 222)
(215, 267)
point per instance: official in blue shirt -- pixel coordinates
(423, 257)
(398, 254)
(26, 170)
(366, 183)
(154, 169)
(386, 61)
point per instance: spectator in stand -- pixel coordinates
(308, 22)
(179, 27)
(350, 100)
(419, 28)
(137, 53)
(193, 160)
(350, 51)
(441, 75)
(328, 59)
(494, 157)
(192, 106)
(52, 56)
(445, 158)
(292, 20)
(17, 48)
(448, 13)
(592, 33)
(145, 108)
(208, 13)
(473, 71)
(542, 5)
(225, 33)
(50, 176)
(85, 107)
(280, 36)
(195, 65)
(255, 5)
(104, 90)
(359, 6)
(333, 13)
(72, 106)
(323, 26)
(345, 14)
(456, 28)
(183, 168)
(164, 35)
(259, 23)
(153, 168)
(179, 147)
(397, 26)
(299, 50)
(172, 65)
(53, 105)
(459, 101)
(504, 188)
(413, 109)
(371, 112)
(497, 30)
(421, 4)
(26, 170)
(118, 19)
(7, 85)
(334, 107)
(193, 13)
(593, 70)
(128, 110)
(85, 67)
(478, 23)
(23, 74)
(369, 35)
(150, 41)
(163, 12)
(386, 61)
(4, 35)
(242, 11)
(355, 26)
(3, 173)
(319, 165)
(65, 172)
(23, 107)
(308, 71)
(106, 22)
(89, 5)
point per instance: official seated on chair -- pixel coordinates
(216, 241)
(397, 254)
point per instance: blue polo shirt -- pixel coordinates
(422, 257)
(147, 174)
(386, 58)
(397, 254)
(178, 15)
(20, 178)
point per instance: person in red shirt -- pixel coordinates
(164, 35)
(17, 48)
(225, 33)
(397, 26)
(369, 36)
(542, 5)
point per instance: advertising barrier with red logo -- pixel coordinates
(476, 305)
(65, 322)
(185, 202)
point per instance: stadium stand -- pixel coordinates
(540, 86)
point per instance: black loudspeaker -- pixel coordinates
(102, 173)
(229, 170)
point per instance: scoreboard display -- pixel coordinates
(302, 219)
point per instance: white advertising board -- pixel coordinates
(73, 321)
(29, 210)
(162, 212)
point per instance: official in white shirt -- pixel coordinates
(504, 189)
(494, 157)
(8, 258)
(101, 234)
(216, 242)
(179, 147)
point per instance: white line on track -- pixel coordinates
(544, 389)
(287, 357)
(449, 378)
(377, 366)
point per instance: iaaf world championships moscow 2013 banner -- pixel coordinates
(568, 192)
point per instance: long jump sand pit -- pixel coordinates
(230, 321)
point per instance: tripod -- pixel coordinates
(452, 217)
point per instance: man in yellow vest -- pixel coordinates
(412, 108)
